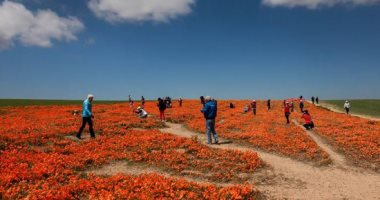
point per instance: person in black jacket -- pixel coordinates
(142, 100)
(203, 102)
(209, 111)
(162, 107)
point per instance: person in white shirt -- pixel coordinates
(141, 112)
(347, 107)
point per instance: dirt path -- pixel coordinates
(291, 179)
(335, 109)
(337, 159)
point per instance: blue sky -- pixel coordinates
(223, 48)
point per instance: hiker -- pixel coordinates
(232, 105)
(162, 107)
(246, 108)
(180, 102)
(292, 105)
(87, 116)
(301, 104)
(209, 111)
(347, 107)
(141, 112)
(142, 100)
(253, 106)
(268, 105)
(309, 124)
(203, 102)
(287, 112)
(317, 100)
(312, 100)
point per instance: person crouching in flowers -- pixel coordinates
(141, 112)
(209, 111)
(309, 124)
(87, 116)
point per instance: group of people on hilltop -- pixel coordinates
(209, 111)
(315, 100)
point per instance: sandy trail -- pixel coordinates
(335, 109)
(291, 179)
(337, 159)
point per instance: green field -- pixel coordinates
(40, 102)
(360, 107)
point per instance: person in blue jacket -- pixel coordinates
(87, 116)
(209, 111)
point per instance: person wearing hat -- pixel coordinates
(141, 112)
(253, 106)
(209, 111)
(347, 107)
(309, 124)
(87, 116)
(287, 111)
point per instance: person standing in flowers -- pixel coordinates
(312, 99)
(162, 107)
(87, 116)
(287, 112)
(142, 100)
(309, 124)
(180, 102)
(209, 111)
(347, 107)
(301, 104)
(268, 104)
(317, 100)
(254, 106)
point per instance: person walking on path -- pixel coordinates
(142, 100)
(87, 117)
(309, 124)
(209, 111)
(302, 105)
(317, 100)
(347, 107)
(312, 100)
(180, 102)
(268, 105)
(162, 107)
(254, 106)
(287, 112)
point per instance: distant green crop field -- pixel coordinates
(41, 102)
(361, 107)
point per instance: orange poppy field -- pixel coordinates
(40, 158)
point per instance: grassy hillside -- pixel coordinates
(360, 107)
(28, 102)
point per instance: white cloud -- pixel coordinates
(17, 23)
(313, 4)
(140, 10)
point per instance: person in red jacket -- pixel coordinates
(287, 112)
(309, 124)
